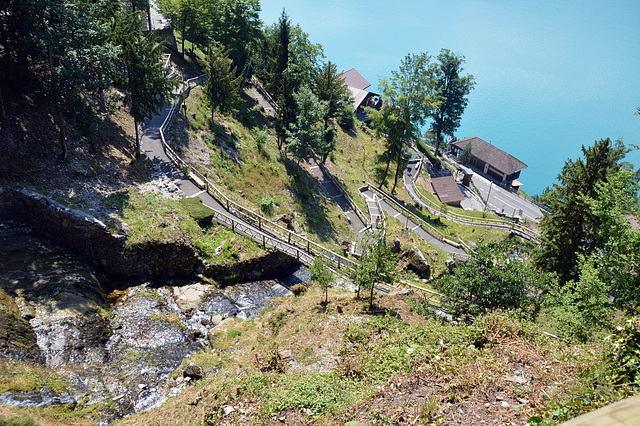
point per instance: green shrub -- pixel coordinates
(261, 138)
(277, 321)
(266, 205)
(299, 289)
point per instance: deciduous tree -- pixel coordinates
(306, 132)
(376, 266)
(320, 273)
(409, 98)
(451, 90)
(497, 276)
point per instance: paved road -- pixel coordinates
(506, 202)
(500, 200)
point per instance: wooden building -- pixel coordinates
(361, 97)
(491, 160)
(447, 190)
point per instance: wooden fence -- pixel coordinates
(245, 221)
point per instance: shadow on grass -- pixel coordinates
(250, 113)
(306, 190)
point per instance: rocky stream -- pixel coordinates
(116, 343)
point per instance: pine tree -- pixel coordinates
(143, 80)
(222, 85)
(571, 229)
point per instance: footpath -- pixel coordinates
(377, 204)
(153, 148)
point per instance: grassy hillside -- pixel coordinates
(301, 362)
(240, 156)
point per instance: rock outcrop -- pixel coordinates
(91, 239)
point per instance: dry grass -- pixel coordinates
(390, 366)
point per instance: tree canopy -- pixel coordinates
(497, 276)
(451, 90)
(376, 266)
(571, 228)
(222, 85)
(409, 99)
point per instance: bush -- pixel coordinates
(261, 137)
(299, 289)
(266, 205)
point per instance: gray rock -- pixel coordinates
(193, 371)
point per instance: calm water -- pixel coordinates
(551, 75)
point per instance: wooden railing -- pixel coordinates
(243, 220)
(429, 228)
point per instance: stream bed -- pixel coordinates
(117, 352)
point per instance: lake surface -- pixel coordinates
(551, 76)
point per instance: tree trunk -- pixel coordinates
(54, 83)
(438, 136)
(373, 286)
(184, 29)
(138, 150)
(386, 172)
(3, 112)
(149, 14)
(398, 167)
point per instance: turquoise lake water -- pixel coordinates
(551, 76)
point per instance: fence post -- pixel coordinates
(297, 255)
(309, 246)
(289, 239)
(338, 263)
(233, 225)
(264, 241)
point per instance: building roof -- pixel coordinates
(352, 78)
(447, 190)
(358, 97)
(492, 155)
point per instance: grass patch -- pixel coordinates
(27, 377)
(246, 165)
(152, 219)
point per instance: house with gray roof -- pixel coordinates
(491, 160)
(447, 190)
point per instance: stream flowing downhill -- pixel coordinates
(117, 353)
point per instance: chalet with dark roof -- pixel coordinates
(362, 98)
(447, 190)
(491, 160)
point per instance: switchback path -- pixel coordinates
(412, 225)
(337, 196)
(153, 148)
